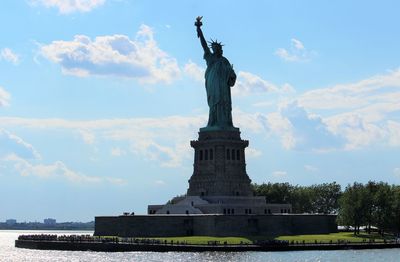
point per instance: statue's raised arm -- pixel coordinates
(219, 78)
(200, 35)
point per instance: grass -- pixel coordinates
(334, 237)
(324, 238)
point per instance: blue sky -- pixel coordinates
(100, 98)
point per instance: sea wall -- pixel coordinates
(121, 247)
(214, 225)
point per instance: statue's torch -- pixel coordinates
(198, 22)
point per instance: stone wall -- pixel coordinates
(214, 225)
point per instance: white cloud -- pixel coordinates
(87, 136)
(18, 155)
(248, 122)
(252, 152)
(280, 126)
(117, 152)
(296, 53)
(279, 174)
(393, 133)
(4, 97)
(165, 140)
(195, 71)
(162, 140)
(168, 156)
(363, 112)
(358, 132)
(56, 170)
(12, 144)
(160, 183)
(343, 117)
(268, 103)
(311, 168)
(309, 130)
(70, 6)
(379, 92)
(300, 130)
(249, 83)
(284, 54)
(287, 89)
(297, 44)
(396, 172)
(115, 55)
(8, 55)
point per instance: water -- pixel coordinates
(9, 253)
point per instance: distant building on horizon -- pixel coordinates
(11, 222)
(49, 221)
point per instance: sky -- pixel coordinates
(99, 99)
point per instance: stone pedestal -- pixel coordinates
(220, 184)
(219, 164)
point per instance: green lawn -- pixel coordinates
(335, 237)
(325, 238)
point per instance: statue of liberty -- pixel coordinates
(220, 77)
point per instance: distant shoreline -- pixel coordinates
(88, 226)
(40, 226)
(46, 229)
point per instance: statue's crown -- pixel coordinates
(215, 43)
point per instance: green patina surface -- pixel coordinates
(219, 78)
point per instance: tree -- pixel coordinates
(176, 199)
(325, 197)
(302, 200)
(395, 218)
(373, 204)
(371, 188)
(353, 207)
(275, 193)
(384, 199)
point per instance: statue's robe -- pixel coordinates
(219, 78)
